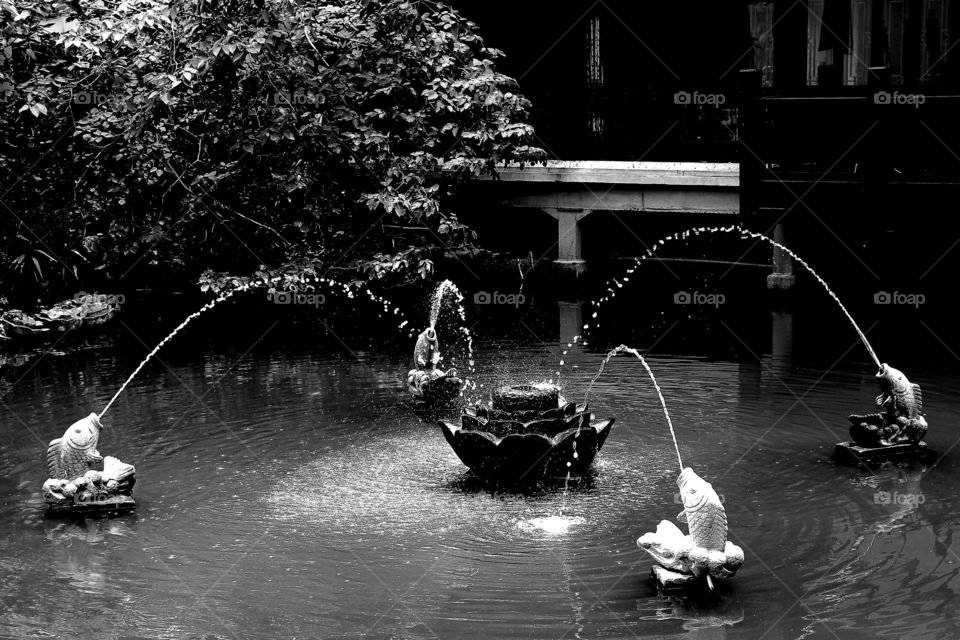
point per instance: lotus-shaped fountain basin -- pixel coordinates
(528, 434)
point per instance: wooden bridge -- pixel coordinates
(571, 190)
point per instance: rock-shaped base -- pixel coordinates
(107, 490)
(433, 386)
(852, 453)
(109, 504)
(878, 430)
(671, 549)
(672, 581)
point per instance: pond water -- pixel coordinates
(285, 490)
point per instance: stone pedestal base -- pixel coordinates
(781, 281)
(113, 504)
(673, 582)
(575, 268)
(852, 453)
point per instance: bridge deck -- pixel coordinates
(688, 174)
(571, 190)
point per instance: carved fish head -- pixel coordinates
(427, 349)
(84, 434)
(695, 492)
(892, 379)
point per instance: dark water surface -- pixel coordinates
(287, 492)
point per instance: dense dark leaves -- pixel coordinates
(144, 138)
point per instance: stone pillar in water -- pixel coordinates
(571, 320)
(782, 276)
(781, 341)
(569, 254)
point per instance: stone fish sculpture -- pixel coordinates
(901, 421)
(426, 353)
(426, 381)
(705, 552)
(75, 483)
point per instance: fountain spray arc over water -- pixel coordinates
(732, 229)
(663, 404)
(246, 286)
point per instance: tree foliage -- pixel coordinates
(145, 139)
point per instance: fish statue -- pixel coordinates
(900, 396)
(703, 513)
(902, 418)
(426, 354)
(75, 453)
(705, 551)
(426, 381)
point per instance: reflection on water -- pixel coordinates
(290, 494)
(709, 619)
(553, 525)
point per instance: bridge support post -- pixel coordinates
(571, 320)
(781, 352)
(569, 241)
(782, 276)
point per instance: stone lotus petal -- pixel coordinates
(525, 446)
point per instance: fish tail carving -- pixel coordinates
(53, 458)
